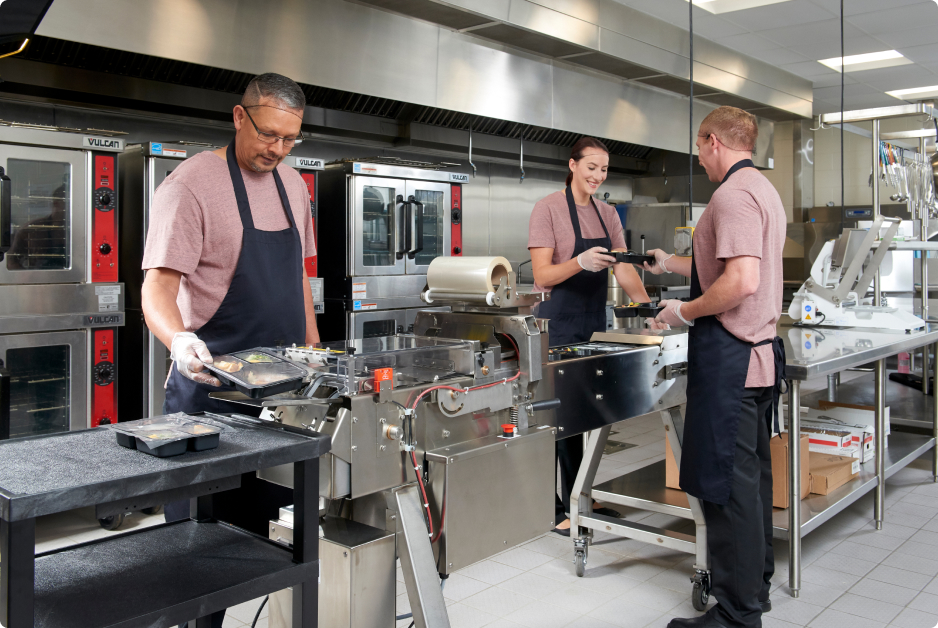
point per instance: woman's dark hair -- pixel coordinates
(576, 153)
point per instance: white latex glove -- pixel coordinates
(189, 354)
(659, 267)
(594, 261)
(653, 324)
(671, 314)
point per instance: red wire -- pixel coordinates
(423, 491)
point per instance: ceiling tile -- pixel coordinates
(823, 31)
(850, 92)
(714, 27)
(871, 100)
(923, 54)
(778, 15)
(896, 19)
(909, 37)
(856, 7)
(779, 56)
(888, 79)
(830, 80)
(808, 69)
(748, 43)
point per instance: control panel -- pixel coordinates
(103, 377)
(104, 218)
(310, 179)
(456, 221)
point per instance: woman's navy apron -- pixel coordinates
(717, 366)
(263, 307)
(577, 306)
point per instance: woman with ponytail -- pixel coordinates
(568, 236)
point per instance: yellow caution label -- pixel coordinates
(807, 317)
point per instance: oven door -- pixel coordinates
(376, 240)
(50, 217)
(375, 324)
(49, 383)
(429, 216)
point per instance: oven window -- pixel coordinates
(39, 383)
(432, 226)
(377, 219)
(376, 329)
(41, 218)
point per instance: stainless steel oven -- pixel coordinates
(147, 361)
(60, 301)
(382, 225)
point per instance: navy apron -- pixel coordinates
(577, 305)
(263, 307)
(717, 366)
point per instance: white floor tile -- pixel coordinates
(524, 559)
(498, 601)
(865, 607)
(459, 587)
(490, 572)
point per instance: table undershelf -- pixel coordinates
(160, 576)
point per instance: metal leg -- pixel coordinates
(413, 545)
(935, 424)
(794, 487)
(925, 369)
(17, 572)
(306, 540)
(674, 430)
(581, 497)
(879, 504)
(832, 387)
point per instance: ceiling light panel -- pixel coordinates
(868, 61)
(915, 93)
(728, 6)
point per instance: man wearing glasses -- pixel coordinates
(229, 230)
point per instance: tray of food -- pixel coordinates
(257, 372)
(169, 435)
(628, 257)
(645, 310)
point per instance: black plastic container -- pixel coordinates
(289, 374)
(623, 257)
(126, 440)
(203, 443)
(171, 448)
(645, 310)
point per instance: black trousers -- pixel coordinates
(739, 534)
(569, 457)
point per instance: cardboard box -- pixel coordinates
(671, 473)
(829, 472)
(779, 447)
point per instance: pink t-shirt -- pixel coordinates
(550, 227)
(745, 217)
(195, 227)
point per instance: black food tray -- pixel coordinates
(624, 257)
(277, 366)
(645, 310)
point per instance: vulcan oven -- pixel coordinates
(146, 360)
(382, 225)
(60, 300)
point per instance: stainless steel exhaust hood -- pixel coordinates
(364, 50)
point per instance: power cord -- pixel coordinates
(259, 609)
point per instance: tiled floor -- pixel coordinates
(853, 576)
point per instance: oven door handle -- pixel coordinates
(416, 227)
(6, 213)
(401, 227)
(5, 403)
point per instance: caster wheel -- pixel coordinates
(153, 510)
(579, 561)
(700, 596)
(112, 523)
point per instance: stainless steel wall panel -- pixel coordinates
(495, 9)
(657, 59)
(553, 23)
(586, 10)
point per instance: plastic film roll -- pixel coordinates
(466, 275)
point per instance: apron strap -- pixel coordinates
(778, 350)
(241, 194)
(579, 245)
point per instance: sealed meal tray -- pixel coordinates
(169, 435)
(628, 257)
(645, 310)
(257, 372)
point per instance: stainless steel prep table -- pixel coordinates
(812, 351)
(163, 575)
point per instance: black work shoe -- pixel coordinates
(704, 621)
(562, 531)
(766, 606)
(607, 512)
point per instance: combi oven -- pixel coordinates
(60, 300)
(146, 360)
(382, 225)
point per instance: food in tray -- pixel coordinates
(263, 379)
(228, 366)
(257, 358)
(167, 435)
(201, 429)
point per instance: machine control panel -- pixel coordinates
(104, 378)
(104, 218)
(456, 223)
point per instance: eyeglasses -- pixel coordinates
(270, 138)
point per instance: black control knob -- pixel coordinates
(105, 199)
(457, 250)
(104, 421)
(103, 373)
(457, 216)
(105, 248)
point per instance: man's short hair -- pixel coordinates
(735, 128)
(276, 87)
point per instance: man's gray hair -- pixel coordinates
(275, 86)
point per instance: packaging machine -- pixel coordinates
(443, 442)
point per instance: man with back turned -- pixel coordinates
(735, 362)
